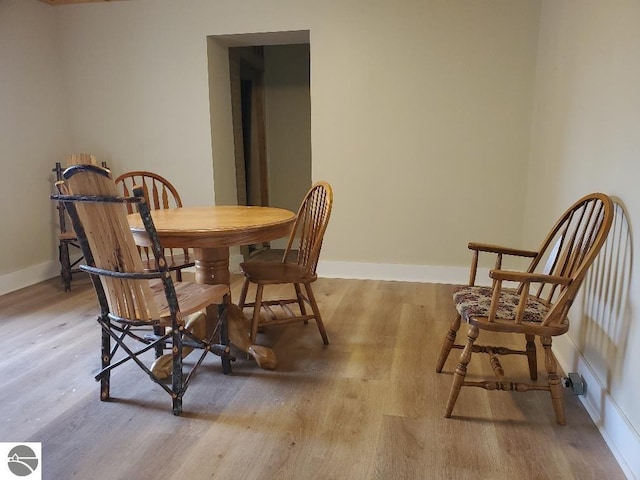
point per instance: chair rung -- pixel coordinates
(271, 302)
(286, 320)
(278, 302)
(494, 350)
(506, 386)
(497, 350)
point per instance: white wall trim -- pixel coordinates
(379, 271)
(399, 272)
(235, 259)
(28, 276)
(617, 432)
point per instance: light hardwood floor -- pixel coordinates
(368, 406)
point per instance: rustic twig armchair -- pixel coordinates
(537, 307)
(160, 194)
(67, 237)
(132, 301)
(306, 235)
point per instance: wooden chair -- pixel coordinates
(67, 237)
(133, 301)
(307, 234)
(160, 194)
(537, 307)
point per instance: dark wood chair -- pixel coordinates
(306, 237)
(160, 194)
(537, 307)
(67, 240)
(132, 300)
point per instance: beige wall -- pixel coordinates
(586, 137)
(420, 110)
(413, 107)
(34, 131)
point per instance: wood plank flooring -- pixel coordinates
(368, 406)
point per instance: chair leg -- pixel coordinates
(256, 313)
(105, 380)
(461, 371)
(65, 265)
(224, 336)
(243, 292)
(532, 356)
(447, 345)
(176, 373)
(179, 275)
(300, 298)
(159, 331)
(555, 386)
(316, 313)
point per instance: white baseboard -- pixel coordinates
(235, 259)
(398, 272)
(377, 271)
(28, 276)
(617, 432)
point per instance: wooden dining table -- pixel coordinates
(209, 231)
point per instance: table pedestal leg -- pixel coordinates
(212, 265)
(212, 268)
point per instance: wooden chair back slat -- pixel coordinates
(569, 250)
(112, 246)
(67, 237)
(81, 159)
(311, 223)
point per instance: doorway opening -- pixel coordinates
(270, 114)
(260, 110)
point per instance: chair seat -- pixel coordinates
(174, 262)
(276, 272)
(192, 296)
(475, 302)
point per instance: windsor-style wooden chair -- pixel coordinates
(537, 307)
(160, 194)
(306, 237)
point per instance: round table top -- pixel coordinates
(214, 226)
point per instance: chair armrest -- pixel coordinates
(524, 277)
(124, 275)
(498, 251)
(485, 247)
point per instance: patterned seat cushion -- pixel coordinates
(475, 302)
